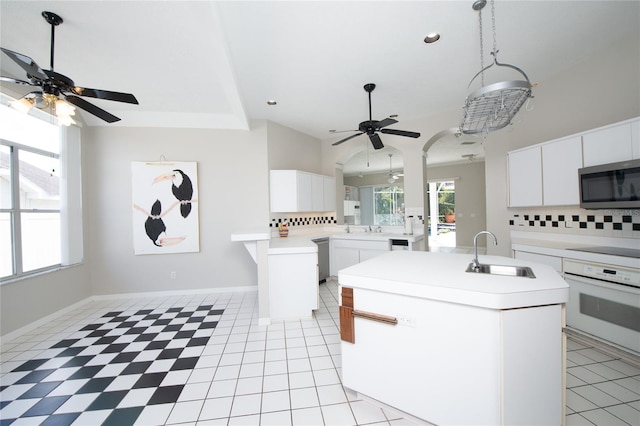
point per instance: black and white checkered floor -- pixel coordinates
(203, 359)
(111, 369)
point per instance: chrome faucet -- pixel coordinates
(476, 262)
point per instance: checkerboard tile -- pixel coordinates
(110, 370)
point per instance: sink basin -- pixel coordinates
(511, 271)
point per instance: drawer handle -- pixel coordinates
(375, 317)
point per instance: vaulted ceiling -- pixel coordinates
(214, 64)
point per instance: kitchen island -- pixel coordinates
(447, 346)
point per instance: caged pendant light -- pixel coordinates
(493, 106)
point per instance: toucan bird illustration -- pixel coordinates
(182, 189)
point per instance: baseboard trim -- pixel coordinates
(101, 297)
(32, 326)
(117, 296)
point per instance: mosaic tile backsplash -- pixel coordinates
(300, 220)
(605, 223)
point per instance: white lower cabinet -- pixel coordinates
(293, 285)
(450, 364)
(345, 253)
(554, 261)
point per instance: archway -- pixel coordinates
(451, 160)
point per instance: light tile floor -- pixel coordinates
(286, 373)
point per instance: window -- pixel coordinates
(389, 205)
(40, 214)
(382, 205)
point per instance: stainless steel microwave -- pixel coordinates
(610, 186)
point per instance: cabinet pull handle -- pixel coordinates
(375, 317)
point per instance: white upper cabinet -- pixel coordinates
(298, 191)
(525, 177)
(561, 160)
(635, 139)
(611, 144)
(317, 193)
(329, 190)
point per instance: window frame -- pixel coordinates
(16, 210)
(69, 209)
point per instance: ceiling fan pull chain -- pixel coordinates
(493, 23)
(481, 50)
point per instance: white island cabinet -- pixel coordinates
(451, 347)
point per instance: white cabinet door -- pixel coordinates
(317, 193)
(283, 189)
(635, 139)
(329, 191)
(525, 177)
(343, 258)
(304, 191)
(553, 261)
(560, 163)
(608, 145)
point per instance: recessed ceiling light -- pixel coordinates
(432, 38)
(271, 102)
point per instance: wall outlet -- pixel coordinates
(407, 321)
(173, 275)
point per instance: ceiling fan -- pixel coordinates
(56, 88)
(393, 176)
(372, 127)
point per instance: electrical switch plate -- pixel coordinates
(407, 321)
(173, 275)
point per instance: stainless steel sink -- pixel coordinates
(512, 271)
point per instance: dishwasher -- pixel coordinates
(323, 258)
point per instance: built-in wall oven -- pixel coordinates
(604, 302)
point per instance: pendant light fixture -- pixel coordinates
(493, 106)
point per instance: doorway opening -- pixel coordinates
(442, 219)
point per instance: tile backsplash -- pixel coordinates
(576, 221)
(302, 220)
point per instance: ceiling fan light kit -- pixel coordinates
(492, 107)
(58, 92)
(372, 127)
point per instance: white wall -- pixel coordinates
(233, 194)
(292, 150)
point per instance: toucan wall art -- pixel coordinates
(165, 207)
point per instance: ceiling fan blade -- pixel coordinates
(26, 63)
(375, 140)
(105, 94)
(401, 133)
(386, 122)
(90, 108)
(13, 80)
(346, 139)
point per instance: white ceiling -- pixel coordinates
(211, 64)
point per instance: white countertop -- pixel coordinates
(292, 245)
(442, 276)
(553, 245)
(256, 234)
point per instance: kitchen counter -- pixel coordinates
(559, 245)
(442, 276)
(420, 335)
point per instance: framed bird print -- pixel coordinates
(165, 207)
